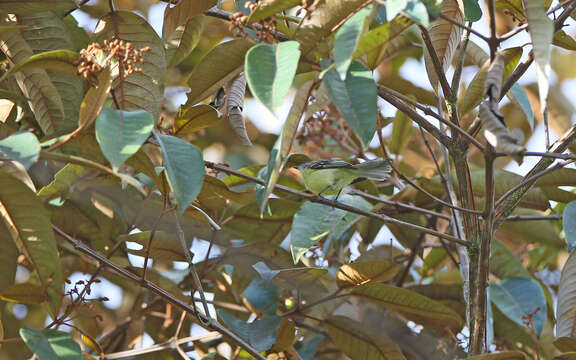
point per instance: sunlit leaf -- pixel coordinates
(364, 272)
(121, 133)
(51, 344)
(266, 8)
(185, 169)
(414, 9)
(195, 118)
(94, 99)
(355, 98)
(270, 69)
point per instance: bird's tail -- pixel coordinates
(374, 169)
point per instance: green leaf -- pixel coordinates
(569, 224)
(22, 7)
(181, 34)
(355, 98)
(564, 40)
(121, 133)
(503, 262)
(29, 225)
(541, 30)
(565, 326)
(565, 344)
(347, 39)
(24, 293)
(261, 334)
(184, 168)
(281, 149)
(195, 118)
(51, 344)
(22, 147)
(358, 342)
(518, 297)
(472, 11)
(267, 8)
(414, 9)
(218, 67)
(140, 90)
(520, 96)
(412, 305)
(56, 60)
(314, 221)
(402, 130)
(364, 272)
(269, 71)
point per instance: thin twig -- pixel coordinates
(468, 27)
(209, 323)
(318, 199)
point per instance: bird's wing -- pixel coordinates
(329, 164)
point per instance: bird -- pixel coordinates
(331, 176)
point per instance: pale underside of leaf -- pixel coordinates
(445, 38)
(541, 30)
(566, 326)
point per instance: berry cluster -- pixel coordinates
(265, 29)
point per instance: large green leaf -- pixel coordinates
(44, 99)
(314, 221)
(22, 7)
(347, 39)
(520, 297)
(121, 133)
(51, 344)
(261, 334)
(219, 66)
(270, 69)
(360, 343)
(29, 225)
(22, 147)
(140, 90)
(184, 168)
(503, 262)
(355, 98)
(541, 30)
(566, 327)
(281, 149)
(569, 224)
(412, 305)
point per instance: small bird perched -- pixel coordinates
(330, 177)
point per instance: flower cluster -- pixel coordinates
(120, 52)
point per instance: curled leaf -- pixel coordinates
(497, 133)
(235, 106)
(493, 82)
